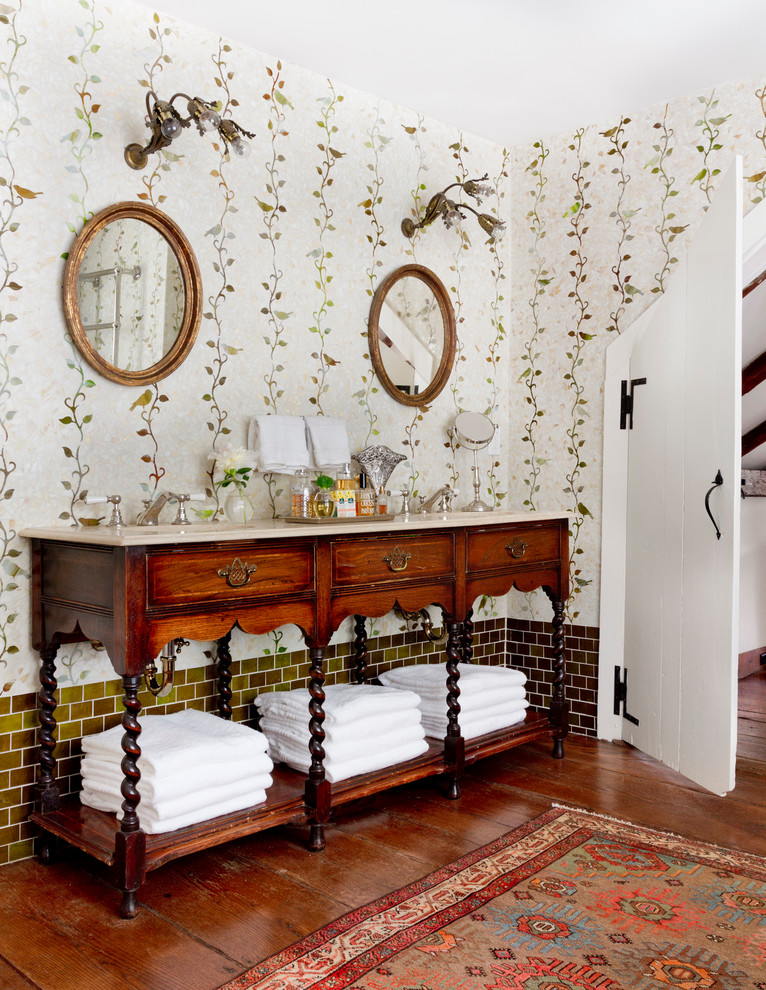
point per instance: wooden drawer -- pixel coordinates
(360, 562)
(78, 574)
(488, 549)
(189, 576)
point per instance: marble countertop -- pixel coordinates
(269, 529)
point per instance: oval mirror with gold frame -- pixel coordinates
(412, 335)
(132, 294)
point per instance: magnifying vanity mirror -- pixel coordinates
(132, 294)
(412, 335)
(474, 431)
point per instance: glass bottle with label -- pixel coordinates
(301, 495)
(365, 501)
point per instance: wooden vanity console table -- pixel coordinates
(134, 589)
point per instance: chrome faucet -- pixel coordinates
(151, 514)
(441, 499)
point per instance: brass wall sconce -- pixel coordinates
(166, 123)
(442, 206)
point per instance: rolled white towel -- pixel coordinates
(476, 725)
(174, 743)
(328, 442)
(278, 443)
(152, 824)
(164, 786)
(193, 800)
(334, 732)
(429, 679)
(350, 768)
(297, 742)
(343, 702)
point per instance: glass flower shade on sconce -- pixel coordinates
(451, 212)
(166, 123)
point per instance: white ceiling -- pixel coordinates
(509, 70)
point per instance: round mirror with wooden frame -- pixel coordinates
(132, 294)
(412, 335)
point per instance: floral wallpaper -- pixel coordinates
(599, 218)
(291, 245)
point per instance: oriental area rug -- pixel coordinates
(570, 900)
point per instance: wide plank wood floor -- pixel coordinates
(206, 918)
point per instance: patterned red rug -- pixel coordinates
(569, 900)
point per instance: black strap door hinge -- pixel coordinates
(621, 695)
(626, 402)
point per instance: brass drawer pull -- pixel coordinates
(517, 548)
(237, 574)
(397, 559)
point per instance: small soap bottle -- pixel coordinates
(345, 493)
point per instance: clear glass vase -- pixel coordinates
(323, 503)
(238, 508)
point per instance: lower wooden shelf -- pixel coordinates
(534, 726)
(94, 832)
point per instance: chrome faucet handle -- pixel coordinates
(405, 493)
(181, 518)
(116, 519)
(113, 500)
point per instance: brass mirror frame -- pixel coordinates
(450, 335)
(190, 276)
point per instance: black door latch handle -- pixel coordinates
(716, 484)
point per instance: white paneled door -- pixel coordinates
(669, 599)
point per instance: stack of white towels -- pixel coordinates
(490, 698)
(366, 728)
(285, 444)
(194, 766)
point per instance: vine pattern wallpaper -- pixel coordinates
(598, 220)
(291, 244)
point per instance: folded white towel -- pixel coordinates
(476, 701)
(164, 785)
(328, 442)
(278, 443)
(430, 678)
(296, 743)
(343, 702)
(175, 743)
(152, 825)
(163, 788)
(350, 768)
(477, 725)
(193, 800)
(340, 733)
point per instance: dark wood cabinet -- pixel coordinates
(135, 589)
